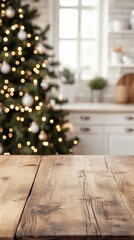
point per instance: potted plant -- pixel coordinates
(68, 84)
(97, 84)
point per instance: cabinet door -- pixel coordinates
(119, 140)
(91, 140)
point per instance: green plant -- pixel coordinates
(68, 76)
(97, 83)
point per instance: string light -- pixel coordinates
(28, 44)
(4, 137)
(1, 129)
(36, 38)
(13, 69)
(60, 139)
(20, 94)
(10, 135)
(13, 53)
(40, 104)
(6, 81)
(5, 39)
(22, 27)
(20, 10)
(36, 98)
(21, 15)
(19, 145)
(5, 48)
(29, 35)
(75, 142)
(22, 80)
(38, 108)
(10, 130)
(11, 106)
(45, 143)
(7, 31)
(43, 119)
(22, 59)
(51, 121)
(28, 143)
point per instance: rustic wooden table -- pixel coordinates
(66, 197)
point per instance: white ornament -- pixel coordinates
(5, 68)
(44, 84)
(22, 35)
(10, 13)
(27, 100)
(40, 48)
(34, 127)
(1, 149)
(42, 135)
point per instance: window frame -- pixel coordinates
(102, 32)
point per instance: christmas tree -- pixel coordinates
(30, 122)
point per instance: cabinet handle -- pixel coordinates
(85, 129)
(130, 118)
(129, 129)
(84, 118)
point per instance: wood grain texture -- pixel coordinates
(17, 174)
(81, 197)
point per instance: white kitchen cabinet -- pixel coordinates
(91, 140)
(119, 140)
(103, 129)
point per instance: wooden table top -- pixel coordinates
(66, 197)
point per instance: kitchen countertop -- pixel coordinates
(99, 107)
(66, 197)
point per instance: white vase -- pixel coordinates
(96, 95)
(68, 91)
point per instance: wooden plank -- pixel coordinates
(17, 174)
(80, 197)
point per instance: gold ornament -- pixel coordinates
(42, 135)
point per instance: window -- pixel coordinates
(77, 35)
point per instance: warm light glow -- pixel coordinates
(28, 143)
(51, 121)
(21, 15)
(13, 69)
(45, 143)
(19, 145)
(29, 35)
(60, 139)
(6, 81)
(36, 38)
(36, 98)
(28, 44)
(38, 108)
(22, 72)
(11, 130)
(5, 48)
(43, 119)
(4, 137)
(22, 27)
(5, 39)
(7, 31)
(22, 80)
(13, 53)
(75, 142)
(11, 106)
(20, 10)
(22, 59)
(21, 94)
